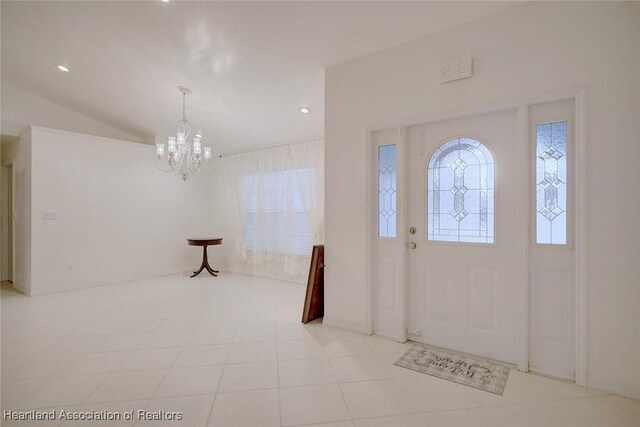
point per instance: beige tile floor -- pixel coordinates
(230, 351)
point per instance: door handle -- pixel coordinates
(412, 245)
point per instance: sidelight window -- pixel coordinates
(551, 183)
(387, 190)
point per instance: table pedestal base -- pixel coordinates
(205, 265)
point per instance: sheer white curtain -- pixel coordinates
(277, 201)
(311, 185)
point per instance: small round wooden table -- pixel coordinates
(210, 241)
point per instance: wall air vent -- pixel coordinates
(456, 69)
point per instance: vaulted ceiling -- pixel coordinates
(251, 65)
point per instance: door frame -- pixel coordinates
(579, 96)
(10, 218)
(8, 187)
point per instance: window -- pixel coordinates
(276, 220)
(460, 193)
(387, 190)
(551, 183)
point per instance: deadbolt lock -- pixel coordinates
(412, 230)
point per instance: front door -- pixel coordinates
(464, 220)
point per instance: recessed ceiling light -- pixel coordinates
(62, 68)
(304, 110)
(165, 1)
(199, 135)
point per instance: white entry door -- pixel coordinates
(464, 219)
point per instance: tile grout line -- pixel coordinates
(395, 381)
(170, 367)
(47, 380)
(278, 377)
(572, 398)
(98, 385)
(335, 377)
(109, 374)
(136, 348)
(209, 420)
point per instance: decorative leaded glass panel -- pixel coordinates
(387, 190)
(551, 183)
(460, 193)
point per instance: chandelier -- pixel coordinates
(184, 156)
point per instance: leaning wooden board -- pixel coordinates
(314, 300)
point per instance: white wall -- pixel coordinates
(21, 109)
(534, 48)
(22, 244)
(118, 217)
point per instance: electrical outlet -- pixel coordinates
(69, 268)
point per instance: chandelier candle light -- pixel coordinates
(184, 156)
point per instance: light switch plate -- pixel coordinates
(49, 216)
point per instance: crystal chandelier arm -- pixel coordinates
(164, 166)
(194, 160)
(175, 164)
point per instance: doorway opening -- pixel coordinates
(9, 147)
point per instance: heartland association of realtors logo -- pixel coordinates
(59, 415)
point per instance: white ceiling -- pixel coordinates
(250, 64)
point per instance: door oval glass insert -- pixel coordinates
(460, 187)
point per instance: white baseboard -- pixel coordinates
(21, 289)
(344, 324)
(625, 391)
(113, 282)
(390, 338)
(265, 276)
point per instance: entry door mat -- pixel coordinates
(462, 369)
